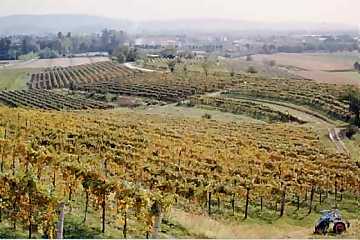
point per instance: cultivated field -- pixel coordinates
(323, 67)
(56, 62)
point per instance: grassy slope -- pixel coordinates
(191, 112)
(354, 147)
(12, 79)
(267, 224)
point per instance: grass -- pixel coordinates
(29, 56)
(190, 112)
(266, 223)
(14, 79)
(353, 146)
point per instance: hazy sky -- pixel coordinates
(341, 11)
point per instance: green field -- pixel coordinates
(14, 79)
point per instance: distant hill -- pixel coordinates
(229, 25)
(37, 24)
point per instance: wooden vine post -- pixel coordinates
(283, 201)
(157, 212)
(247, 202)
(209, 204)
(311, 199)
(60, 224)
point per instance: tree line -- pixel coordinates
(61, 44)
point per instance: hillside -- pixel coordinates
(35, 24)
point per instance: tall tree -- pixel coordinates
(354, 98)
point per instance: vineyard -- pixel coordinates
(163, 63)
(185, 65)
(252, 109)
(130, 169)
(47, 100)
(68, 77)
(326, 98)
(106, 77)
(162, 86)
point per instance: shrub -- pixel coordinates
(249, 58)
(206, 116)
(351, 130)
(252, 70)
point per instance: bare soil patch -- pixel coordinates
(323, 67)
(59, 62)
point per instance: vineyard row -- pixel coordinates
(43, 99)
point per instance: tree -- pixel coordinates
(121, 58)
(185, 69)
(357, 66)
(252, 70)
(354, 98)
(5, 43)
(60, 35)
(124, 53)
(13, 53)
(172, 65)
(270, 62)
(132, 55)
(29, 44)
(232, 72)
(249, 58)
(111, 40)
(5, 48)
(205, 66)
(48, 53)
(168, 53)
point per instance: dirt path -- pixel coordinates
(132, 65)
(334, 135)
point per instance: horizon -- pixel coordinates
(277, 11)
(184, 19)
